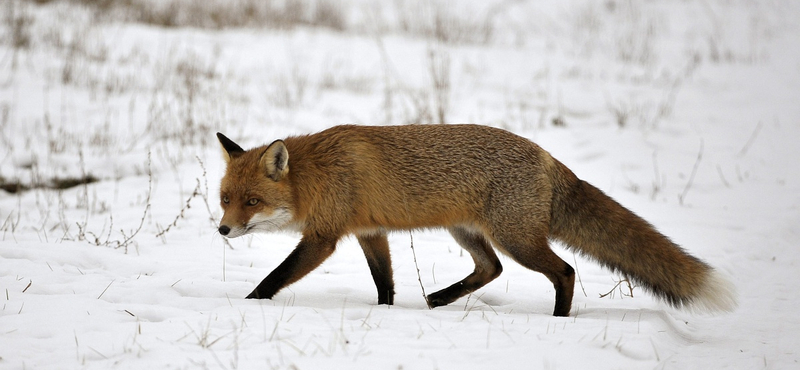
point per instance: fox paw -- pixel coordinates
(436, 300)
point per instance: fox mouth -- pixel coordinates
(251, 228)
(276, 221)
(236, 232)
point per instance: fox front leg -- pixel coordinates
(376, 249)
(307, 256)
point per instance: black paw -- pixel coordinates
(436, 300)
(256, 295)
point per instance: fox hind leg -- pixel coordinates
(376, 249)
(538, 256)
(487, 267)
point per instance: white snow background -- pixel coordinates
(686, 112)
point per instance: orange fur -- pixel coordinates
(488, 187)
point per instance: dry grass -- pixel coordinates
(444, 22)
(18, 23)
(219, 14)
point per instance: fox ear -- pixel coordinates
(275, 160)
(229, 148)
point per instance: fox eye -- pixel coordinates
(225, 200)
(252, 202)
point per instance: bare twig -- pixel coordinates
(388, 70)
(204, 194)
(751, 140)
(419, 277)
(213, 219)
(28, 286)
(578, 273)
(619, 285)
(439, 63)
(722, 177)
(657, 181)
(180, 215)
(127, 240)
(104, 290)
(682, 196)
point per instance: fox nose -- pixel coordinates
(224, 230)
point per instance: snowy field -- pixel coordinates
(686, 112)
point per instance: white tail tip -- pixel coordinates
(717, 294)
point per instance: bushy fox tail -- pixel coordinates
(593, 224)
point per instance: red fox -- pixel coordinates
(489, 188)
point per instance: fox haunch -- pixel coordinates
(491, 189)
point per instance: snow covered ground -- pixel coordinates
(686, 112)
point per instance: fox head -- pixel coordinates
(254, 193)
